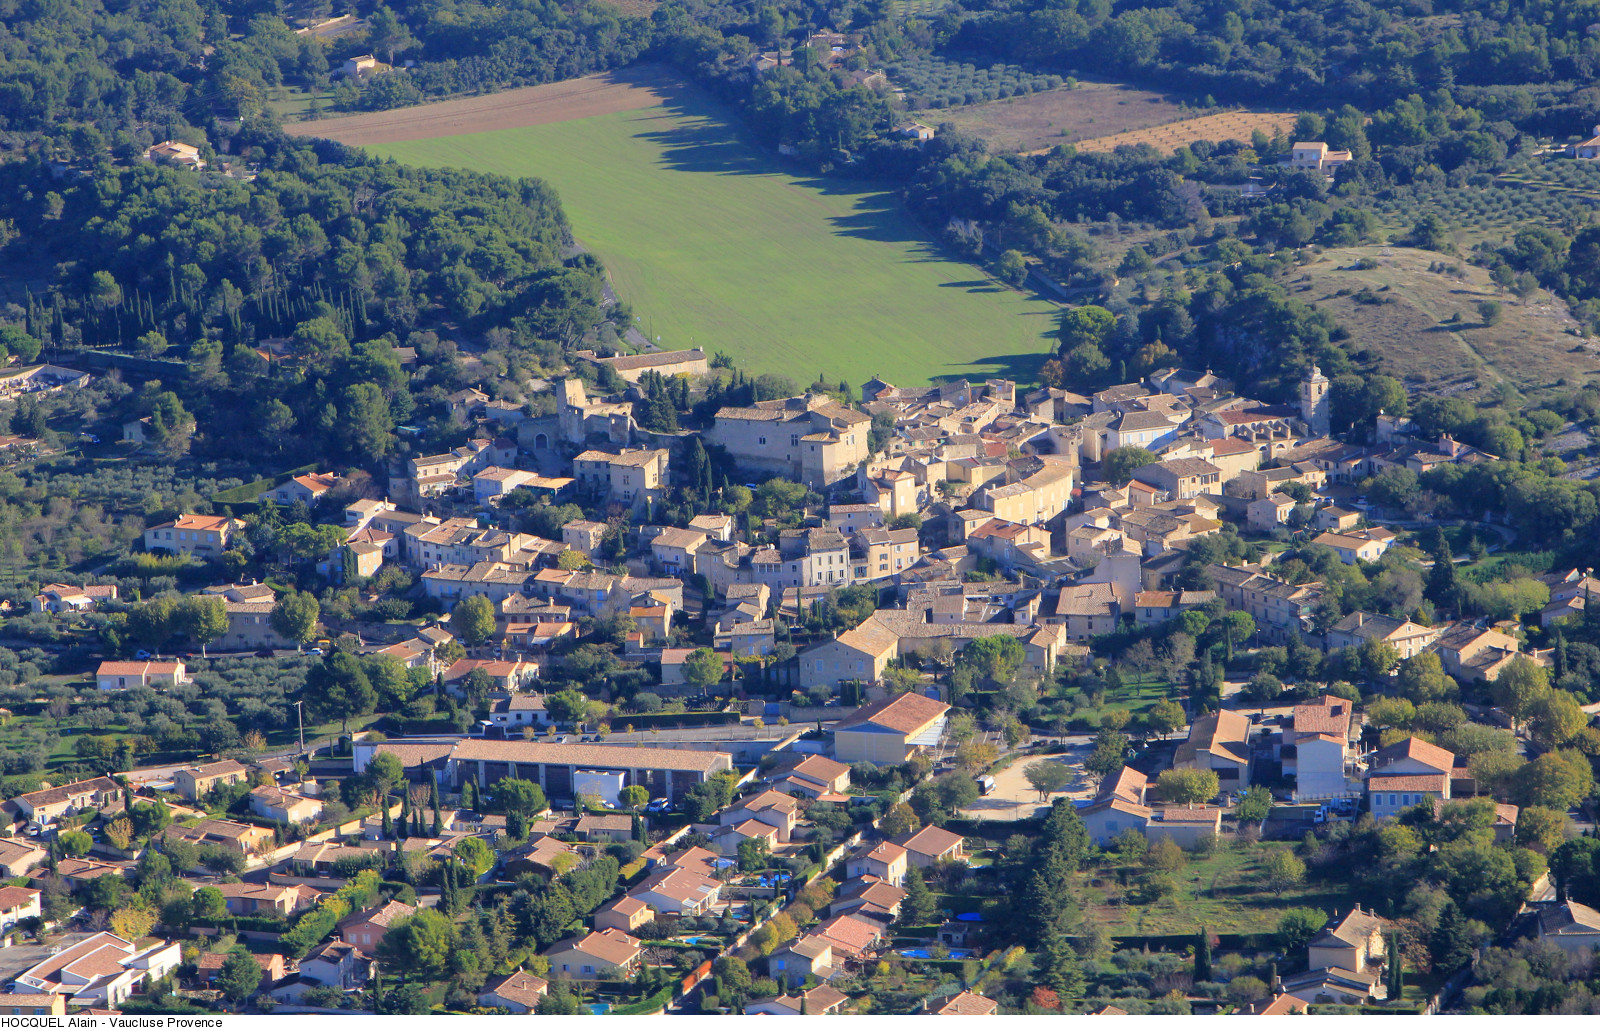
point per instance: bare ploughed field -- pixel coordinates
(1042, 120)
(628, 89)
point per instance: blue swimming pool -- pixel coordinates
(928, 954)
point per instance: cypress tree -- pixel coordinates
(388, 826)
(1397, 980)
(1202, 956)
(1443, 588)
(919, 906)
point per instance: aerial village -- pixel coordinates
(939, 700)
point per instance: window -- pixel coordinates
(762, 441)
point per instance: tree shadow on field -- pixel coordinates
(975, 286)
(1023, 368)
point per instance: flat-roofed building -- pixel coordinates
(665, 772)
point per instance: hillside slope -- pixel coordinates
(1426, 325)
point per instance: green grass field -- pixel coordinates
(716, 246)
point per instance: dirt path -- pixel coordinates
(629, 89)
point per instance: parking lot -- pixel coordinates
(1013, 798)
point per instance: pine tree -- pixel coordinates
(1044, 901)
(1202, 956)
(1058, 967)
(1450, 944)
(1065, 834)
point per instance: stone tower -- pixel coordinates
(1314, 402)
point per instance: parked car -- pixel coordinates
(314, 651)
(141, 654)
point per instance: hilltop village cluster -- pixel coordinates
(824, 636)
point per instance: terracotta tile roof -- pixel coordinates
(386, 915)
(1354, 928)
(629, 362)
(518, 986)
(819, 768)
(1200, 814)
(848, 934)
(609, 945)
(697, 859)
(1328, 716)
(964, 1004)
(604, 823)
(885, 852)
(811, 947)
(930, 841)
(1130, 785)
(1409, 782)
(13, 897)
(1415, 748)
(137, 669)
(1570, 918)
(905, 713)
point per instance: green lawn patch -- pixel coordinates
(248, 492)
(718, 246)
(1225, 892)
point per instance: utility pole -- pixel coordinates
(300, 718)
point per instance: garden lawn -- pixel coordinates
(1225, 893)
(717, 246)
(1137, 695)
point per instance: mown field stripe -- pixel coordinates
(717, 246)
